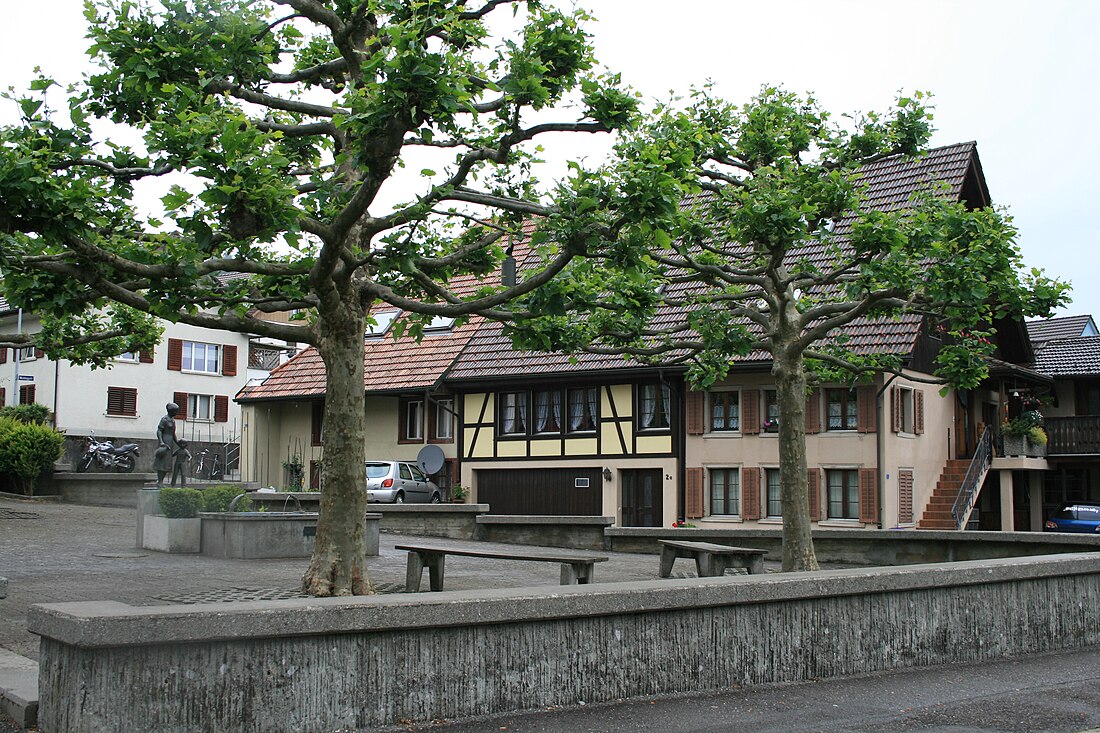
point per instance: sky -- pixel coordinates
(1018, 76)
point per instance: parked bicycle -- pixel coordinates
(208, 465)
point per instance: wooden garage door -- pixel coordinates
(543, 491)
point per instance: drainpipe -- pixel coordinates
(15, 352)
(879, 450)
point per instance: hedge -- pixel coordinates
(27, 450)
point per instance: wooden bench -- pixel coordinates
(575, 569)
(710, 559)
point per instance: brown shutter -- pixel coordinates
(229, 360)
(26, 394)
(3, 397)
(315, 475)
(905, 496)
(918, 411)
(750, 412)
(696, 413)
(180, 398)
(122, 401)
(145, 357)
(694, 493)
(221, 408)
(866, 421)
(868, 495)
(897, 410)
(39, 353)
(175, 355)
(3, 356)
(813, 412)
(317, 421)
(814, 491)
(750, 493)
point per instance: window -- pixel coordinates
(382, 323)
(199, 357)
(770, 423)
(444, 419)
(904, 414)
(27, 353)
(440, 323)
(725, 491)
(26, 394)
(843, 488)
(842, 409)
(548, 412)
(513, 413)
(129, 356)
(725, 411)
(775, 496)
(414, 420)
(122, 401)
(583, 409)
(653, 407)
(200, 407)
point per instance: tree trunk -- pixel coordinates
(338, 566)
(790, 381)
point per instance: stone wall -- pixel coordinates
(361, 663)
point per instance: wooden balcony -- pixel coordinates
(1073, 436)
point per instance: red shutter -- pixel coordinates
(814, 491)
(696, 413)
(750, 493)
(180, 398)
(813, 412)
(229, 360)
(175, 356)
(866, 418)
(221, 408)
(694, 493)
(3, 356)
(750, 412)
(145, 357)
(868, 495)
(918, 411)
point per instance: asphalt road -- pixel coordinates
(1050, 693)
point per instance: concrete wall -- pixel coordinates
(456, 521)
(361, 663)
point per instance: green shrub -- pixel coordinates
(218, 498)
(27, 450)
(32, 413)
(180, 503)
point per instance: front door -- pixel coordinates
(642, 497)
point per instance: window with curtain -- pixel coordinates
(548, 411)
(653, 407)
(843, 489)
(513, 413)
(771, 411)
(725, 411)
(725, 491)
(444, 419)
(775, 500)
(583, 407)
(842, 409)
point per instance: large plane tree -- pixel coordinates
(751, 233)
(324, 155)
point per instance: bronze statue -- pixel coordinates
(166, 459)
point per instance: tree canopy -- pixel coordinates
(754, 233)
(295, 133)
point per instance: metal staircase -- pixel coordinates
(957, 490)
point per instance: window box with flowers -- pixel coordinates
(1024, 435)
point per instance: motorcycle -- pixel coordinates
(105, 455)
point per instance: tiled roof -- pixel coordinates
(1060, 328)
(1069, 357)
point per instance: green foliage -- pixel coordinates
(218, 499)
(1024, 425)
(181, 503)
(27, 449)
(33, 413)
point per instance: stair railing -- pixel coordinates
(972, 481)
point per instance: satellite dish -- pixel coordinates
(430, 459)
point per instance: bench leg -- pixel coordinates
(435, 571)
(756, 564)
(414, 570)
(576, 573)
(668, 557)
(705, 564)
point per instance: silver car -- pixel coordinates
(396, 482)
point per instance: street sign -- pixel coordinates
(26, 377)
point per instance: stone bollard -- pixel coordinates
(148, 502)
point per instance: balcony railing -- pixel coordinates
(1073, 436)
(261, 358)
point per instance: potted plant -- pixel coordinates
(1024, 436)
(178, 528)
(459, 494)
(295, 473)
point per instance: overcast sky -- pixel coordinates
(1017, 76)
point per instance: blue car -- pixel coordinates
(1077, 517)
